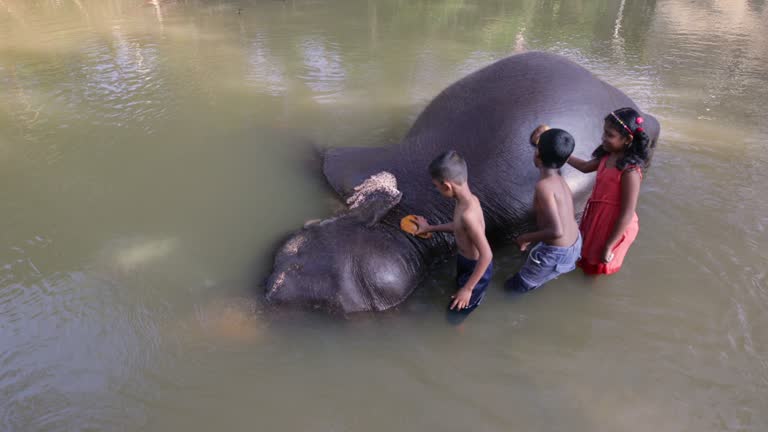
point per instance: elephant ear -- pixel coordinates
(347, 167)
(374, 198)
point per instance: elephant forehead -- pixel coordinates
(280, 279)
(294, 244)
(382, 182)
(276, 285)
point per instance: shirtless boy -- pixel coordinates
(558, 241)
(473, 264)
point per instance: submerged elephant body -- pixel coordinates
(362, 261)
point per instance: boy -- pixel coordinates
(473, 265)
(559, 237)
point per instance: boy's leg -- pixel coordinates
(518, 284)
(464, 269)
(539, 268)
(478, 293)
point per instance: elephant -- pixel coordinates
(360, 260)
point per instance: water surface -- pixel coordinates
(152, 154)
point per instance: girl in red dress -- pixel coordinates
(609, 224)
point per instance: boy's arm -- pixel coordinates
(425, 227)
(547, 217)
(477, 237)
(630, 190)
(584, 166)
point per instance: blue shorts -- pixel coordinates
(464, 269)
(544, 263)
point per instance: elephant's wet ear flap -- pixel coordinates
(375, 208)
(375, 197)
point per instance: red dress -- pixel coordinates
(599, 220)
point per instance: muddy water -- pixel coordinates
(151, 154)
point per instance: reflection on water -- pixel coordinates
(263, 71)
(323, 64)
(153, 153)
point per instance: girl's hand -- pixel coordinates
(607, 255)
(540, 129)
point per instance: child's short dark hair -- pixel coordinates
(449, 166)
(555, 147)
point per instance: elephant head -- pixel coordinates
(350, 262)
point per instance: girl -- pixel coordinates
(609, 224)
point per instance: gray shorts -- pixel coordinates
(544, 263)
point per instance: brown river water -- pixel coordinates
(152, 154)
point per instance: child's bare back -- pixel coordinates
(553, 203)
(558, 241)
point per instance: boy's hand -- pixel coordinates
(461, 298)
(422, 226)
(523, 243)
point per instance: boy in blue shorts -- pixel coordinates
(474, 267)
(558, 241)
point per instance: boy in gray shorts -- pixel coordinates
(558, 237)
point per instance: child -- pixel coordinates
(558, 234)
(473, 265)
(609, 224)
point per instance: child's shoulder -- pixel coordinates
(553, 185)
(473, 208)
(473, 205)
(548, 184)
